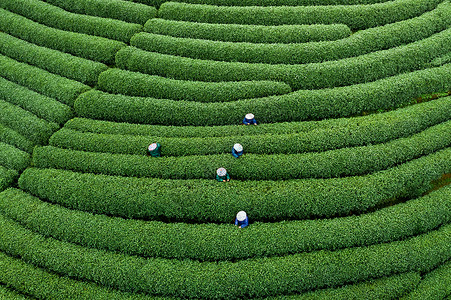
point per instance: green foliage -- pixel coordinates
(136, 84)
(278, 2)
(11, 137)
(82, 45)
(362, 42)
(354, 70)
(28, 125)
(42, 106)
(355, 16)
(391, 287)
(211, 242)
(333, 163)
(114, 9)
(435, 285)
(227, 280)
(348, 133)
(6, 293)
(403, 119)
(248, 33)
(13, 158)
(7, 177)
(41, 81)
(42, 284)
(297, 106)
(210, 201)
(47, 14)
(56, 62)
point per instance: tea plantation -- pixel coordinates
(346, 179)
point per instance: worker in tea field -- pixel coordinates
(241, 219)
(249, 119)
(237, 150)
(154, 150)
(222, 175)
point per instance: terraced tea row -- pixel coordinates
(354, 16)
(385, 63)
(90, 47)
(360, 43)
(49, 15)
(209, 242)
(365, 131)
(207, 201)
(374, 128)
(276, 275)
(248, 33)
(118, 81)
(37, 282)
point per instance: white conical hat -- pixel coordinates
(152, 147)
(241, 215)
(238, 147)
(221, 172)
(249, 116)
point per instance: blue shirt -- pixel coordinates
(242, 223)
(249, 121)
(236, 154)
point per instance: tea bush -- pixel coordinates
(53, 16)
(90, 47)
(248, 33)
(115, 9)
(349, 71)
(187, 278)
(209, 201)
(13, 158)
(11, 137)
(118, 81)
(355, 16)
(41, 81)
(301, 105)
(210, 242)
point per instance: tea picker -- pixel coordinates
(154, 150)
(237, 150)
(241, 219)
(249, 119)
(222, 175)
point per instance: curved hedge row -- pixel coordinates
(328, 164)
(198, 200)
(209, 242)
(36, 281)
(78, 44)
(13, 158)
(248, 33)
(53, 16)
(435, 285)
(406, 119)
(391, 287)
(354, 16)
(51, 85)
(24, 122)
(362, 42)
(342, 72)
(274, 2)
(11, 137)
(42, 284)
(6, 293)
(118, 81)
(42, 106)
(56, 62)
(7, 177)
(115, 9)
(368, 131)
(248, 278)
(297, 106)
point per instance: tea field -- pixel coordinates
(345, 179)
